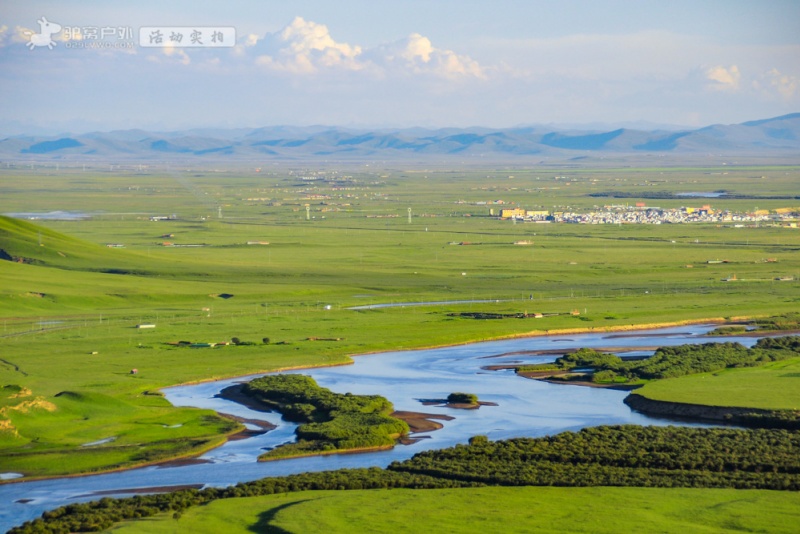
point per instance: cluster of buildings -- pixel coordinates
(641, 214)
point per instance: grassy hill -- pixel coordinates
(498, 509)
(25, 242)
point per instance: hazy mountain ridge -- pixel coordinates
(780, 135)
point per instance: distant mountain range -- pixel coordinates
(778, 136)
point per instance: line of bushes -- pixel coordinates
(670, 362)
(776, 323)
(626, 455)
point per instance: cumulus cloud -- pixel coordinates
(305, 47)
(244, 44)
(724, 78)
(416, 54)
(21, 34)
(177, 54)
(170, 56)
(785, 84)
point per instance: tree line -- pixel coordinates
(627, 455)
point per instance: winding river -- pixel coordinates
(524, 408)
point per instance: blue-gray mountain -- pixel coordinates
(779, 136)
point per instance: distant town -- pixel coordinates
(642, 214)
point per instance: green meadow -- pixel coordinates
(775, 386)
(496, 509)
(278, 257)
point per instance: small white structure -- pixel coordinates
(145, 325)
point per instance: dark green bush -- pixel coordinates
(462, 398)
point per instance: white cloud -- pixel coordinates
(177, 54)
(248, 41)
(416, 47)
(416, 54)
(724, 78)
(170, 56)
(22, 34)
(305, 47)
(785, 84)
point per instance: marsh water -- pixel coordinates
(524, 408)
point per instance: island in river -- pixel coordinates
(330, 422)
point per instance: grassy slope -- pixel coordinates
(775, 386)
(523, 509)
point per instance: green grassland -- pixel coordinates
(498, 509)
(69, 311)
(775, 386)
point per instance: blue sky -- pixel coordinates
(399, 64)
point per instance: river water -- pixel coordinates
(524, 408)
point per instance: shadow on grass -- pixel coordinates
(263, 525)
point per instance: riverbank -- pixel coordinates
(550, 378)
(444, 403)
(523, 335)
(182, 459)
(618, 328)
(354, 450)
(261, 372)
(564, 332)
(419, 422)
(749, 417)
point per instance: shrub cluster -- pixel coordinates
(624, 456)
(670, 362)
(788, 321)
(462, 398)
(330, 421)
